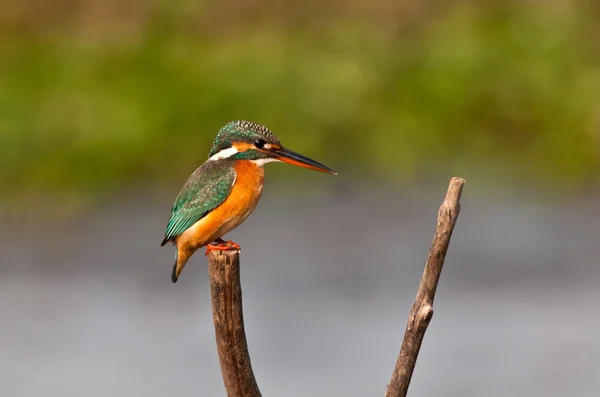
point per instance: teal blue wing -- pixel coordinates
(204, 190)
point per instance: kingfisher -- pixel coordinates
(224, 191)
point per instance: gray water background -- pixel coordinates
(88, 309)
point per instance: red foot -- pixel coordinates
(222, 245)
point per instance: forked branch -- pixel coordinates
(226, 295)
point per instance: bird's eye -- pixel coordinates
(259, 143)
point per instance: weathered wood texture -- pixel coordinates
(422, 309)
(226, 295)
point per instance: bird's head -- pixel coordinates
(245, 140)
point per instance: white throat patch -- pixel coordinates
(224, 154)
(262, 162)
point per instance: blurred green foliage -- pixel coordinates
(514, 88)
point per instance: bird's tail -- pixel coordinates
(175, 273)
(178, 265)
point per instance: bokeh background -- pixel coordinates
(107, 106)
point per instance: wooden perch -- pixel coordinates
(226, 295)
(422, 309)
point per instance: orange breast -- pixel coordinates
(240, 203)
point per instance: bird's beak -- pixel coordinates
(290, 157)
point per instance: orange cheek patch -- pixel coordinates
(242, 146)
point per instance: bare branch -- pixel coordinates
(422, 309)
(226, 295)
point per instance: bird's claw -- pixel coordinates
(222, 245)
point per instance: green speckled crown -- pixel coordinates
(241, 131)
